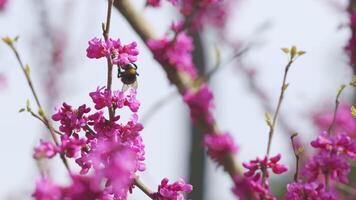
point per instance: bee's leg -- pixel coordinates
(134, 65)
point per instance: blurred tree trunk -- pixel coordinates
(352, 9)
(197, 154)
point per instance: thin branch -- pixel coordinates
(39, 118)
(144, 30)
(26, 72)
(337, 103)
(296, 154)
(106, 31)
(143, 187)
(281, 96)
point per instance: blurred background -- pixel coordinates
(53, 38)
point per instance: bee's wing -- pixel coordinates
(125, 87)
(134, 85)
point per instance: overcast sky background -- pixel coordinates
(312, 25)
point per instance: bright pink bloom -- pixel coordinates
(336, 166)
(105, 98)
(172, 191)
(45, 149)
(339, 144)
(72, 120)
(46, 190)
(200, 103)
(71, 146)
(120, 54)
(157, 3)
(254, 173)
(3, 4)
(331, 157)
(177, 53)
(82, 187)
(310, 191)
(219, 145)
(242, 189)
(154, 3)
(344, 122)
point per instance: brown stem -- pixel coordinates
(43, 115)
(143, 187)
(281, 96)
(337, 103)
(296, 154)
(106, 31)
(42, 120)
(144, 30)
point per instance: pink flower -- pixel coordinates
(72, 146)
(339, 144)
(157, 3)
(331, 157)
(131, 101)
(323, 162)
(105, 98)
(254, 173)
(344, 122)
(310, 191)
(172, 191)
(242, 189)
(120, 54)
(82, 187)
(46, 190)
(154, 3)
(45, 150)
(72, 120)
(177, 53)
(3, 4)
(219, 145)
(200, 103)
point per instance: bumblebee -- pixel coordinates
(128, 75)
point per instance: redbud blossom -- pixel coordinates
(255, 170)
(344, 122)
(310, 191)
(3, 4)
(120, 54)
(200, 103)
(72, 120)
(46, 190)
(331, 157)
(219, 145)
(172, 191)
(177, 53)
(45, 149)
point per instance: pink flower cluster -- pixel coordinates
(331, 157)
(172, 191)
(120, 54)
(114, 166)
(113, 151)
(176, 52)
(255, 169)
(344, 122)
(3, 4)
(219, 145)
(157, 3)
(200, 102)
(105, 98)
(310, 191)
